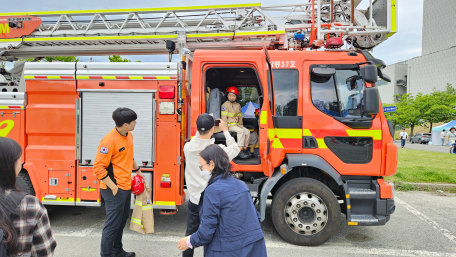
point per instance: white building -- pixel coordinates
(437, 65)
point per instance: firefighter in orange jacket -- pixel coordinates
(113, 165)
(232, 115)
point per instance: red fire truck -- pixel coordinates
(324, 144)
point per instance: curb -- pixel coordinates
(407, 186)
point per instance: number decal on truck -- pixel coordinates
(6, 130)
(283, 64)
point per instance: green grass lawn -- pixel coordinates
(425, 167)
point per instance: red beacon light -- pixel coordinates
(166, 92)
(334, 43)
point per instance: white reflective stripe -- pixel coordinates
(147, 207)
(139, 203)
(136, 221)
(232, 124)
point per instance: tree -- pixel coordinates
(247, 94)
(408, 112)
(391, 115)
(117, 58)
(54, 59)
(2, 64)
(61, 59)
(439, 106)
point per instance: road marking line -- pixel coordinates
(424, 218)
(327, 248)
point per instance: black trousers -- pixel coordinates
(193, 222)
(117, 213)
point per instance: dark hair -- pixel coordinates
(10, 152)
(222, 165)
(123, 115)
(452, 128)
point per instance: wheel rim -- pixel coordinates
(306, 213)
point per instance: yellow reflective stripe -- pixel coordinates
(164, 203)
(229, 114)
(264, 117)
(82, 77)
(53, 77)
(239, 114)
(138, 203)
(271, 134)
(108, 77)
(224, 113)
(163, 77)
(90, 38)
(29, 77)
(306, 133)
(393, 19)
(273, 32)
(7, 107)
(353, 223)
(321, 143)
(276, 143)
(232, 124)
(136, 77)
(161, 9)
(288, 133)
(89, 189)
(376, 134)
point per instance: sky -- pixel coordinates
(404, 45)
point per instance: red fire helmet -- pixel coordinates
(137, 185)
(233, 90)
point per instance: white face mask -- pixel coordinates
(206, 175)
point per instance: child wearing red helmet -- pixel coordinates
(232, 114)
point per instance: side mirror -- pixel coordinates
(324, 72)
(383, 76)
(371, 101)
(369, 73)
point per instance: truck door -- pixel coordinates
(333, 112)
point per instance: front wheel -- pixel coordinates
(305, 212)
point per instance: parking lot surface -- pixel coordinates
(424, 224)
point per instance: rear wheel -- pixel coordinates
(419, 141)
(305, 212)
(24, 183)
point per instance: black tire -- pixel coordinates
(292, 190)
(24, 183)
(419, 141)
(412, 141)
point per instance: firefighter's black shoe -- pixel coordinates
(125, 254)
(243, 155)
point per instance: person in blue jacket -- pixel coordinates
(229, 221)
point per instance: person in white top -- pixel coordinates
(195, 179)
(443, 137)
(451, 136)
(404, 136)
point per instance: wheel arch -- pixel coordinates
(297, 166)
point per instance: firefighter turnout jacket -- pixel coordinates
(115, 159)
(232, 114)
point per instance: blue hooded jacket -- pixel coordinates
(229, 220)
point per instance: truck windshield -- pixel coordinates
(340, 95)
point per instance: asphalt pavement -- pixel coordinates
(424, 224)
(416, 146)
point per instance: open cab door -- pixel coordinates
(267, 111)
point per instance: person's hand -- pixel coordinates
(115, 190)
(139, 173)
(182, 245)
(223, 126)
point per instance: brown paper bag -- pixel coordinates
(142, 219)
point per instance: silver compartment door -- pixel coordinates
(97, 108)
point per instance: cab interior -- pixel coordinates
(247, 81)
